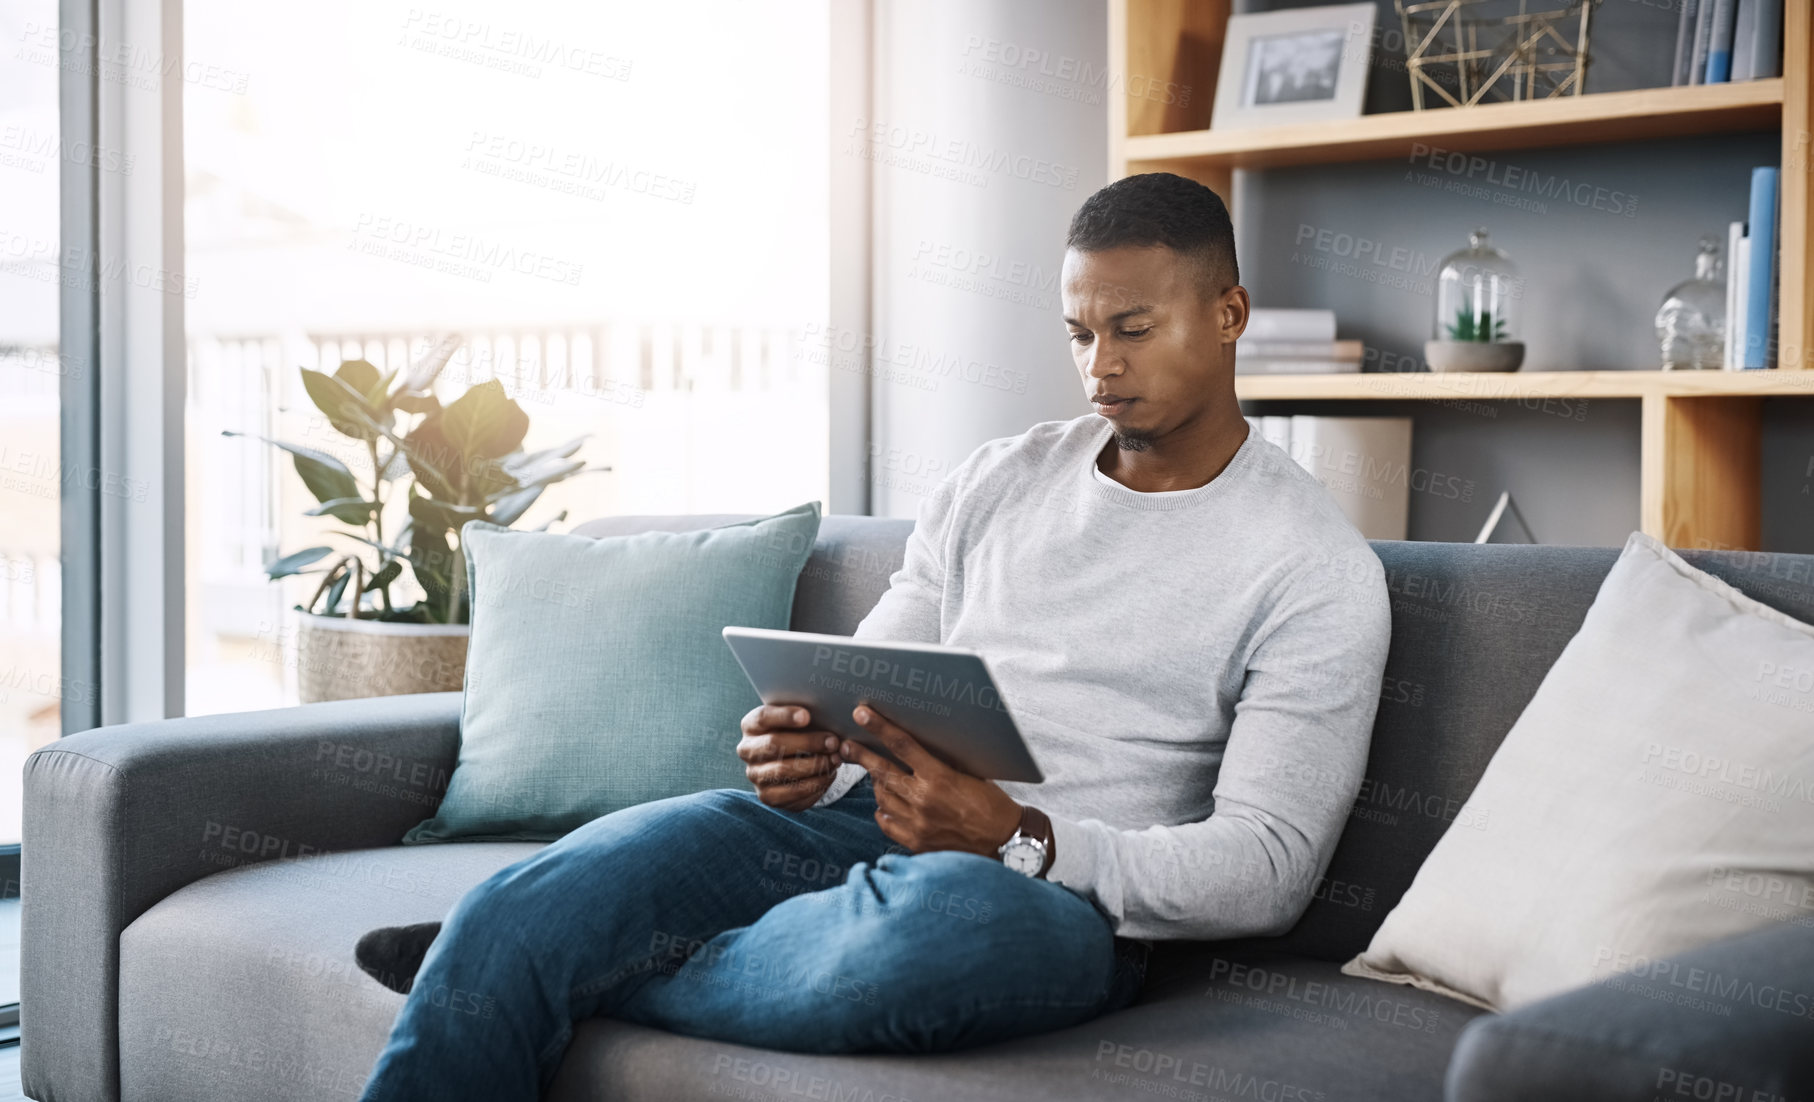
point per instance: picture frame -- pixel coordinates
(1302, 65)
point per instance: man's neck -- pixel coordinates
(1188, 457)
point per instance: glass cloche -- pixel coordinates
(1691, 324)
(1478, 292)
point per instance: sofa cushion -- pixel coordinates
(1651, 798)
(242, 985)
(597, 678)
(845, 577)
(1211, 1024)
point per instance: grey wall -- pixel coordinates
(1600, 233)
(980, 165)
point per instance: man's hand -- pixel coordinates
(791, 766)
(931, 806)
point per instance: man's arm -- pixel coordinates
(910, 610)
(1289, 776)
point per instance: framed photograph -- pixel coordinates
(1303, 65)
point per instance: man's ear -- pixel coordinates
(1232, 311)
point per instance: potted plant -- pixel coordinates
(439, 466)
(1477, 294)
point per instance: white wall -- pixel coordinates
(990, 129)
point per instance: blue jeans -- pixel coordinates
(713, 915)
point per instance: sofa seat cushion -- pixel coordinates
(1216, 1021)
(242, 985)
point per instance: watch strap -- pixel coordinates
(1034, 823)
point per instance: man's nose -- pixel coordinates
(1103, 362)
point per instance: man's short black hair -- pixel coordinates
(1160, 208)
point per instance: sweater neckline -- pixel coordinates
(1116, 493)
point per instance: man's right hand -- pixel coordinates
(790, 764)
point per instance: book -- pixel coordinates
(1719, 41)
(1735, 243)
(1295, 367)
(1760, 268)
(1697, 56)
(1299, 350)
(1364, 463)
(1290, 325)
(1686, 22)
(1757, 40)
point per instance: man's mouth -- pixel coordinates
(1111, 404)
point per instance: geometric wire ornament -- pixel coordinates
(1516, 57)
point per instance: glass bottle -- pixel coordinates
(1478, 292)
(1691, 323)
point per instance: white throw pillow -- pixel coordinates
(1657, 794)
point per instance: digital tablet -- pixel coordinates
(942, 696)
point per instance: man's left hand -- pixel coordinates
(933, 807)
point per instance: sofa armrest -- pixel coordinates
(119, 817)
(1732, 1021)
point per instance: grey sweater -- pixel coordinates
(1195, 672)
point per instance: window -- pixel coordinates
(625, 218)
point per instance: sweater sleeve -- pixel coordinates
(1289, 775)
(910, 610)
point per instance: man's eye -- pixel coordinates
(1080, 338)
(1136, 332)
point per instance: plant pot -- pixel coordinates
(1473, 355)
(341, 659)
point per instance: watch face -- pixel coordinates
(1025, 855)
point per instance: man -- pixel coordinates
(1192, 637)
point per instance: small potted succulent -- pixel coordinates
(433, 467)
(1477, 295)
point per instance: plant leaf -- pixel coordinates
(507, 510)
(428, 453)
(347, 510)
(326, 477)
(386, 575)
(484, 423)
(340, 401)
(543, 527)
(424, 372)
(416, 403)
(334, 592)
(294, 562)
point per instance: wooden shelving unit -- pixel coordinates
(1700, 441)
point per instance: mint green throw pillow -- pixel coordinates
(596, 678)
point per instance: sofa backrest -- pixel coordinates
(1474, 630)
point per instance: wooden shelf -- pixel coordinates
(1570, 120)
(1510, 385)
(1702, 431)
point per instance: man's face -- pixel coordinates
(1154, 347)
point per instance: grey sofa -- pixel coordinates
(193, 890)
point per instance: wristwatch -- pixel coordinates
(1031, 850)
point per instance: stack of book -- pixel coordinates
(1364, 463)
(1751, 286)
(1294, 342)
(1724, 40)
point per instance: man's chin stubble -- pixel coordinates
(1133, 440)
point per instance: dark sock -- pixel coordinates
(393, 954)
